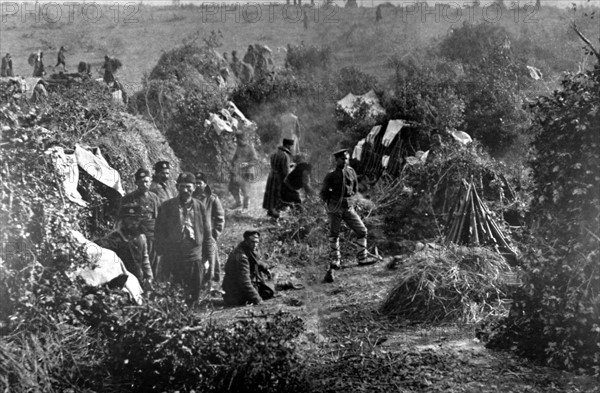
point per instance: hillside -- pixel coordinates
(138, 34)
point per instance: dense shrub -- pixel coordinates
(556, 315)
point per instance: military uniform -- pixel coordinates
(280, 167)
(162, 190)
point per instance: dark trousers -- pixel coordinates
(183, 265)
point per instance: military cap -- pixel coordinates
(201, 176)
(141, 173)
(247, 234)
(288, 141)
(162, 165)
(130, 211)
(340, 153)
(186, 177)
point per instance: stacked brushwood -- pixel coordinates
(470, 222)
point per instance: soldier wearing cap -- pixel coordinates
(216, 215)
(340, 186)
(244, 282)
(183, 236)
(162, 173)
(281, 161)
(129, 243)
(149, 204)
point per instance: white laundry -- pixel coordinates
(67, 171)
(373, 134)
(385, 161)
(392, 129)
(98, 168)
(357, 153)
(461, 137)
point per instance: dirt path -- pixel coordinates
(350, 347)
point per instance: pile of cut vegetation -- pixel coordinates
(449, 283)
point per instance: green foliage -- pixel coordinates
(556, 316)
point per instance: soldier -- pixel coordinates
(241, 175)
(109, 70)
(235, 64)
(298, 178)
(149, 204)
(61, 58)
(129, 243)
(216, 215)
(244, 282)
(38, 66)
(162, 172)
(250, 56)
(280, 167)
(7, 66)
(183, 234)
(339, 188)
(378, 15)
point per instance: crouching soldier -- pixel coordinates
(339, 188)
(244, 282)
(129, 243)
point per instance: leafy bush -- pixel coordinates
(308, 59)
(556, 315)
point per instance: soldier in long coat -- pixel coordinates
(183, 236)
(7, 66)
(281, 161)
(60, 58)
(244, 282)
(216, 215)
(159, 186)
(149, 204)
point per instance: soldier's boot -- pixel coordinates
(335, 256)
(363, 258)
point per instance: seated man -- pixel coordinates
(244, 282)
(129, 243)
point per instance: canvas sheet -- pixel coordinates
(394, 127)
(67, 172)
(98, 168)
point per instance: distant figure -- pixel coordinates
(290, 129)
(281, 161)
(216, 215)
(250, 56)
(61, 58)
(38, 66)
(7, 66)
(305, 20)
(378, 15)
(244, 282)
(297, 179)
(241, 173)
(235, 64)
(159, 186)
(109, 71)
(84, 68)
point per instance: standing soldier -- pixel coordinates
(235, 64)
(149, 204)
(298, 178)
(241, 175)
(162, 172)
(7, 66)
(38, 65)
(129, 243)
(109, 70)
(280, 167)
(183, 235)
(61, 58)
(378, 15)
(216, 215)
(305, 20)
(339, 188)
(250, 56)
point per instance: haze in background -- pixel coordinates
(361, 3)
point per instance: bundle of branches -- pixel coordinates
(470, 222)
(450, 283)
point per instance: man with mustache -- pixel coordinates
(183, 235)
(159, 186)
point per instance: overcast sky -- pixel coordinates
(365, 3)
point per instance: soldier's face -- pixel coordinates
(185, 191)
(143, 184)
(253, 241)
(342, 160)
(200, 185)
(163, 175)
(131, 224)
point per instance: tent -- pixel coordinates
(351, 103)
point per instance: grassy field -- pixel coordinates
(138, 34)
